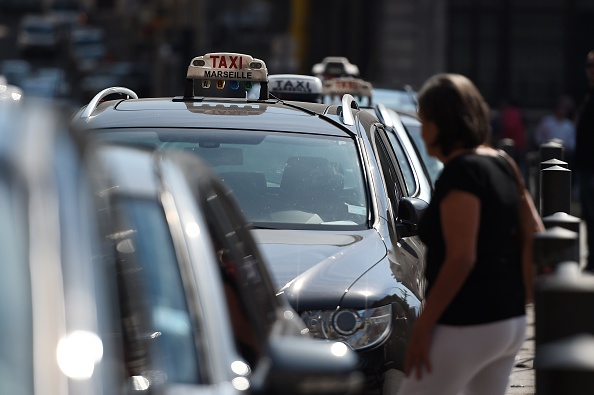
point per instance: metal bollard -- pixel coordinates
(565, 366)
(552, 150)
(553, 162)
(533, 173)
(554, 245)
(562, 304)
(555, 190)
(563, 220)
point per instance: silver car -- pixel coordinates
(201, 305)
(126, 272)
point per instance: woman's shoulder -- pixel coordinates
(476, 157)
(487, 151)
(476, 163)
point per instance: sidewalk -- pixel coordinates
(522, 379)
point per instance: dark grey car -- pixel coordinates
(324, 193)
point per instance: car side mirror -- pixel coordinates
(302, 365)
(410, 212)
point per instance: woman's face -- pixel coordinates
(429, 133)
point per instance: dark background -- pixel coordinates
(530, 51)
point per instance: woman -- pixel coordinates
(473, 322)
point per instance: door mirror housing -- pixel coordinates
(302, 365)
(410, 212)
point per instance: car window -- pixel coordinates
(405, 166)
(388, 170)
(16, 326)
(395, 99)
(285, 180)
(250, 294)
(156, 317)
(433, 164)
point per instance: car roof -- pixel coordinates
(269, 115)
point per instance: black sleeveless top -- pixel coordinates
(494, 289)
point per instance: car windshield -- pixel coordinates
(281, 180)
(434, 165)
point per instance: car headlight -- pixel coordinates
(359, 329)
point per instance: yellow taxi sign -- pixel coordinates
(225, 66)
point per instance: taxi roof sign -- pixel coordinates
(335, 66)
(294, 83)
(295, 87)
(342, 85)
(227, 66)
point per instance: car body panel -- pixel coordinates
(315, 266)
(321, 266)
(61, 303)
(186, 193)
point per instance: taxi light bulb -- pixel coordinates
(198, 62)
(234, 85)
(220, 84)
(255, 65)
(248, 85)
(205, 84)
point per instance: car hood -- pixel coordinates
(318, 265)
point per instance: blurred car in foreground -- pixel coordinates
(134, 279)
(57, 313)
(324, 194)
(203, 306)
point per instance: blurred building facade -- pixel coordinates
(531, 50)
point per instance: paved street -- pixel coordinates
(522, 380)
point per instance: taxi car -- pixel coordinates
(322, 191)
(408, 127)
(100, 286)
(335, 66)
(403, 127)
(401, 99)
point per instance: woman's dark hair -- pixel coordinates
(458, 110)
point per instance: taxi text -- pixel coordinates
(237, 75)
